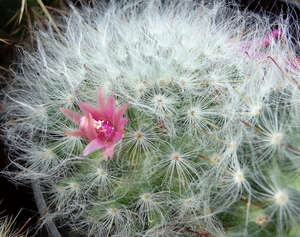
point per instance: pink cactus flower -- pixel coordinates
(102, 125)
(275, 34)
(295, 63)
(245, 46)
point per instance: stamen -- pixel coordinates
(104, 129)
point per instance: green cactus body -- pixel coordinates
(211, 147)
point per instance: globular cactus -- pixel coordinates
(146, 118)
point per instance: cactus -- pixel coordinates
(145, 118)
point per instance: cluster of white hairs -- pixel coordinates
(212, 145)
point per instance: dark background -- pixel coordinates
(16, 198)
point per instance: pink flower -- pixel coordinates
(294, 63)
(102, 125)
(275, 34)
(252, 47)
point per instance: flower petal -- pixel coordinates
(110, 109)
(89, 109)
(93, 146)
(72, 115)
(87, 127)
(101, 99)
(122, 123)
(119, 114)
(273, 35)
(106, 106)
(109, 149)
(118, 135)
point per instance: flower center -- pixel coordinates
(104, 129)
